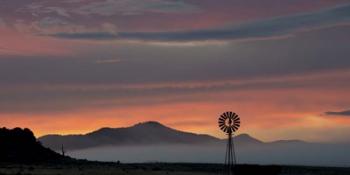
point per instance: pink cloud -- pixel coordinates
(24, 44)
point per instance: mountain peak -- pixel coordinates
(149, 123)
(244, 135)
(246, 138)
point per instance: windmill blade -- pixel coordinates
(221, 122)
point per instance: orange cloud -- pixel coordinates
(266, 114)
(286, 112)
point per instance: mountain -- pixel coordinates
(20, 146)
(147, 133)
(154, 142)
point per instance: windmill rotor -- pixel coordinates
(229, 122)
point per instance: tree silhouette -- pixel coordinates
(20, 145)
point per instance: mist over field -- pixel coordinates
(302, 154)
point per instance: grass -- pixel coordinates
(97, 168)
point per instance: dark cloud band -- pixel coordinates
(340, 113)
(255, 30)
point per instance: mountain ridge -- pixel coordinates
(152, 141)
(144, 133)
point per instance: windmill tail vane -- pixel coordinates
(229, 122)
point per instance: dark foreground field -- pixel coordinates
(160, 168)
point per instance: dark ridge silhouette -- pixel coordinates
(146, 133)
(20, 146)
(142, 134)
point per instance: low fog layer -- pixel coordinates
(272, 153)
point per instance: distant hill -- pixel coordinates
(20, 146)
(143, 134)
(147, 133)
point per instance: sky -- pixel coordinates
(73, 66)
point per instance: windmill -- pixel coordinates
(229, 123)
(63, 151)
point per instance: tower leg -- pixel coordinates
(230, 157)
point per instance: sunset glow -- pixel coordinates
(71, 67)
